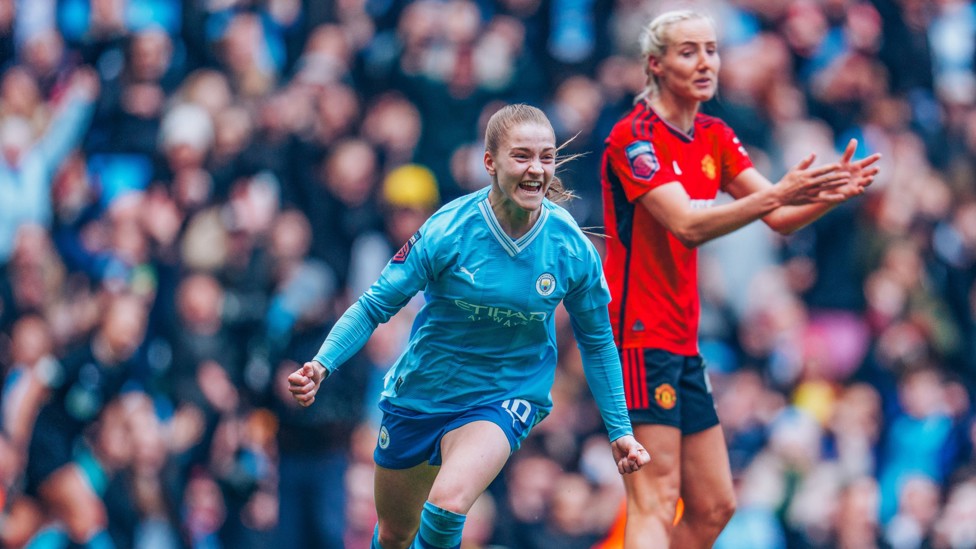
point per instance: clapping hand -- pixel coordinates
(862, 174)
(805, 184)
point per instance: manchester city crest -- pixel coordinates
(545, 284)
(384, 437)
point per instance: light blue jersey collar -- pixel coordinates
(512, 246)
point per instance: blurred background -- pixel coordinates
(245, 168)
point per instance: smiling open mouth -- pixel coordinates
(531, 186)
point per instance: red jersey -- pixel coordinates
(653, 277)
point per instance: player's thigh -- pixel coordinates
(472, 456)
(659, 482)
(400, 495)
(706, 478)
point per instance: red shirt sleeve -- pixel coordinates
(735, 159)
(640, 164)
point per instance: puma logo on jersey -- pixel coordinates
(464, 270)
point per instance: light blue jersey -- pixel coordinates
(487, 331)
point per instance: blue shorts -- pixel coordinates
(408, 438)
(663, 388)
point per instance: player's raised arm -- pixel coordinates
(406, 274)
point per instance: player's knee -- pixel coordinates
(454, 503)
(456, 497)
(712, 515)
(724, 511)
(661, 501)
(392, 537)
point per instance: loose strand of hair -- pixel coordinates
(599, 232)
(558, 192)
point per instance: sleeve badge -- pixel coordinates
(643, 160)
(404, 251)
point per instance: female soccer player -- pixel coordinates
(663, 165)
(476, 374)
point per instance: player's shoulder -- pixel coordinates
(560, 215)
(634, 122)
(563, 226)
(709, 123)
(457, 211)
(447, 226)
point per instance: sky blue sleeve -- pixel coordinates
(405, 275)
(357, 324)
(590, 288)
(601, 364)
(587, 307)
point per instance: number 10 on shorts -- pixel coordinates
(518, 408)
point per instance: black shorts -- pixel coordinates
(663, 388)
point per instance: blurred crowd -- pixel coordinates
(195, 189)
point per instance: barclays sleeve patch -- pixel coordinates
(404, 251)
(643, 160)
